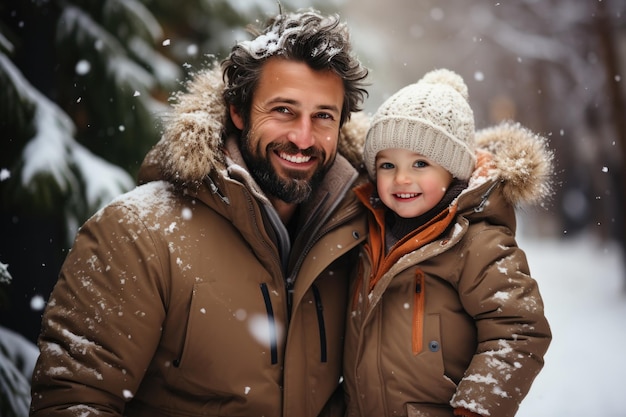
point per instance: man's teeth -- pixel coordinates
(407, 195)
(295, 158)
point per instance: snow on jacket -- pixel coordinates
(455, 320)
(173, 299)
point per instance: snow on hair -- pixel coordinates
(322, 42)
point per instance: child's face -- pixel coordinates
(409, 183)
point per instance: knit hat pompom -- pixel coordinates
(431, 117)
(446, 77)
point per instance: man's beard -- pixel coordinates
(297, 187)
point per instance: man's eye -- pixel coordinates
(325, 116)
(282, 109)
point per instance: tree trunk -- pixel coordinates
(617, 113)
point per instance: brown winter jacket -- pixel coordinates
(173, 300)
(455, 321)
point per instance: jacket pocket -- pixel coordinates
(418, 312)
(271, 324)
(319, 307)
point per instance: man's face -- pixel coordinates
(291, 140)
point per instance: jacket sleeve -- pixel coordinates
(102, 323)
(496, 289)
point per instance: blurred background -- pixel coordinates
(83, 84)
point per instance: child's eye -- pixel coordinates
(386, 165)
(421, 164)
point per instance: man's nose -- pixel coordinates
(301, 133)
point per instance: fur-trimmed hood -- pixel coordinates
(518, 159)
(192, 142)
(192, 146)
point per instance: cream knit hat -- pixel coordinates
(431, 117)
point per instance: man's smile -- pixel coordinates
(296, 159)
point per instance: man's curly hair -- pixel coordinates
(323, 43)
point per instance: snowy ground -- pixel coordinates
(583, 290)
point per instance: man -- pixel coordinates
(218, 287)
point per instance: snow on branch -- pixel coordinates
(136, 14)
(53, 151)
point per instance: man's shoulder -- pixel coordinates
(153, 193)
(152, 199)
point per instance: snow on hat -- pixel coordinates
(431, 117)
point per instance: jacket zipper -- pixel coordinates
(418, 312)
(348, 215)
(271, 324)
(289, 282)
(320, 322)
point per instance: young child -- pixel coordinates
(445, 319)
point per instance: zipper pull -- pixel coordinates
(289, 290)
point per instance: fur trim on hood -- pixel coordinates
(519, 159)
(192, 141)
(192, 145)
